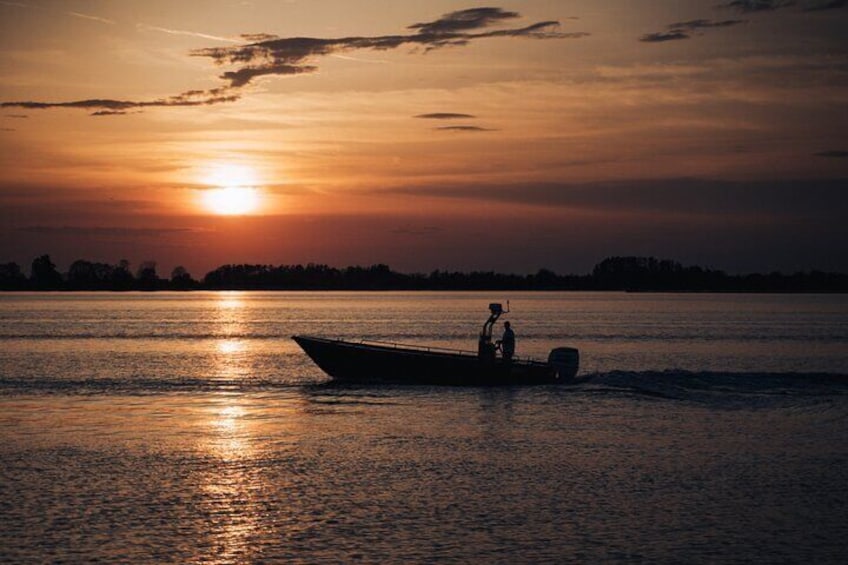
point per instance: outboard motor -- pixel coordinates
(566, 361)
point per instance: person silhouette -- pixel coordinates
(508, 342)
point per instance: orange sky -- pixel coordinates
(425, 135)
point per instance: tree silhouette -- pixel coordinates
(147, 279)
(11, 277)
(44, 275)
(641, 274)
(181, 279)
(85, 275)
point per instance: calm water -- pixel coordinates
(188, 428)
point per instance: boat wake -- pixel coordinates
(711, 386)
(680, 385)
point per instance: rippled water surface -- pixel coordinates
(190, 428)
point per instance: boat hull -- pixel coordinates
(373, 363)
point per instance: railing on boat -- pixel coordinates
(432, 349)
(422, 348)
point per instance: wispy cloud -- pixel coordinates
(684, 30)
(445, 116)
(105, 231)
(748, 6)
(145, 27)
(92, 18)
(295, 55)
(752, 6)
(463, 128)
(188, 98)
(826, 5)
(417, 231)
(109, 113)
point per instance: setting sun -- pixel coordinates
(232, 200)
(236, 191)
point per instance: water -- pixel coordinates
(188, 428)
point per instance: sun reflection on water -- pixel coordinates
(230, 491)
(231, 346)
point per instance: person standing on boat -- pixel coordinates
(507, 342)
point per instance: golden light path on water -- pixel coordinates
(231, 488)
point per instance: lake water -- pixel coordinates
(189, 428)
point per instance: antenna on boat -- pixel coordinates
(485, 347)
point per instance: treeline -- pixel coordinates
(635, 274)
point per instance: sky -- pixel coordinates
(505, 136)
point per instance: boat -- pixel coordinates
(367, 361)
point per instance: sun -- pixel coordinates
(231, 200)
(234, 191)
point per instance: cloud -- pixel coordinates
(106, 105)
(145, 27)
(663, 36)
(834, 154)
(92, 18)
(683, 30)
(417, 231)
(826, 5)
(463, 128)
(445, 116)
(786, 199)
(105, 231)
(748, 6)
(751, 6)
(270, 55)
(110, 113)
(464, 20)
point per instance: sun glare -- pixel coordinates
(232, 200)
(235, 191)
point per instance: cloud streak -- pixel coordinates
(145, 27)
(295, 55)
(684, 30)
(91, 18)
(106, 106)
(445, 116)
(107, 232)
(463, 128)
(749, 6)
(753, 6)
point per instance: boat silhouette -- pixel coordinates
(367, 361)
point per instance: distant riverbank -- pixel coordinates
(633, 274)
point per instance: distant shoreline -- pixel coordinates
(421, 290)
(617, 274)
